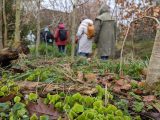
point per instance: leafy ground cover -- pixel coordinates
(84, 90)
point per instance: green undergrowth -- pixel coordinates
(56, 72)
(75, 107)
(80, 107)
(50, 50)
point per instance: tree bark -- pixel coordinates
(17, 22)
(1, 45)
(73, 31)
(38, 27)
(5, 24)
(153, 75)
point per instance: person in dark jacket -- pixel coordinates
(47, 36)
(105, 33)
(61, 36)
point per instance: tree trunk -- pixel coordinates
(38, 27)
(17, 22)
(1, 45)
(153, 75)
(73, 31)
(5, 24)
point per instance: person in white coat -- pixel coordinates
(31, 37)
(85, 44)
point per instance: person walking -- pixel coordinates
(61, 36)
(84, 42)
(31, 37)
(105, 33)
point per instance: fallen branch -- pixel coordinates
(27, 87)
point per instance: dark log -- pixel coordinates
(9, 54)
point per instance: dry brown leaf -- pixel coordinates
(126, 87)
(40, 108)
(138, 92)
(91, 78)
(80, 75)
(149, 98)
(7, 98)
(120, 82)
(116, 89)
(111, 77)
(141, 84)
(28, 85)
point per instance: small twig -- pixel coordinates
(106, 96)
(46, 86)
(37, 85)
(68, 76)
(121, 57)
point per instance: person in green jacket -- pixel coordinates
(105, 33)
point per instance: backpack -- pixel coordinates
(47, 35)
(62, 34)
(90, 31)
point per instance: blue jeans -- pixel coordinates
(61, 48)
(84, 54)
(104, 57)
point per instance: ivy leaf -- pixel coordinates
(4, 89)
(82, 117)
(97, 104)
(72, 115)
(77, 96)
(21, 112)
(4, 107)
(101, 92)
(77, 108)
(66, 107)
(91, 114)
(88, 100)
(33, 97)
(44, 117)
(111, 109)
(34, 117)
(69, 100)
(18, 106)
(119, 113)
(127, 118)
(1, 93)
(59, 105)
(17, 99)
(54, 98)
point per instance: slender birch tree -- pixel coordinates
(17, 22)
(73, 29)
(1, 43)
(5, 24)
(38, 26)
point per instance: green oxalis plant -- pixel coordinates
(76, 107)
(7, 87)
(80, 107)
